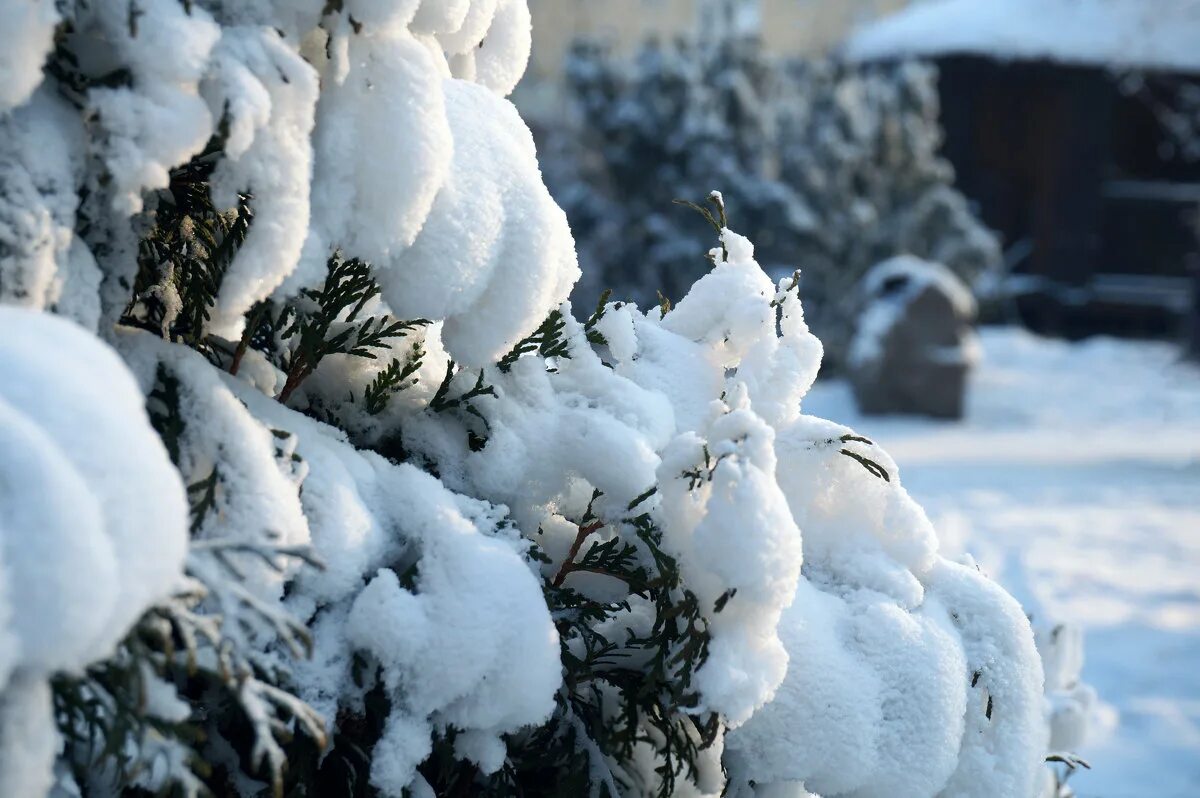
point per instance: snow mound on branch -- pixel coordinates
(268, 94)
(887, 648)
(78, 421)
(383, 147)
(503, 54)
(832, 678)
(159, 120)
(1130, 33)
(43, 264)
(1072, 703)
(473, 197)
(504, 251)
(748, 578)
(910, 676)
(468, 642)
(29, 740)
(78, 460)
(355, 139)
(30, 28)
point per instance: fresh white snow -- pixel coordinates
(837, 627)
(1148, 34)
(80, 460)
(1075, 482)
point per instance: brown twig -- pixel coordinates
(244, 343)
(569, 563)
(294, 378)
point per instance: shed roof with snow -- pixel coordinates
(1141, 34)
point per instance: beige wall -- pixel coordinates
(790, 27)
(813, 27)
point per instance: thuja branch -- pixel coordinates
(325, 322)
(569, 564)
(252, 323)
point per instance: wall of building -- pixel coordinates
(789, 27)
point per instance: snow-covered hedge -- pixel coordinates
(312, 483)
(830, 168)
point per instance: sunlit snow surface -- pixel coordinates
(1075, 481)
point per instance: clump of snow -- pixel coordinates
(28, 739)
(159, 120)
(468, 644)
(889, 635)
(748, 578)
(43, 264)
(1085, 511)
(386, 114)
(1072, 702)
(30, 24)
(474, 200)
(504, 249)
(474, 27)
(441, 16)
(907, 630)
(841, 646)
(78, 461)
(503, 54)
(380, 125)
(267, 94)
(1129, 33)
(84, 426)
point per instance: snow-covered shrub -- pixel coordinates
(832, 168)
(1072, 703)
(679, 121)
(861, 146)
(93, 524)
(313, 483)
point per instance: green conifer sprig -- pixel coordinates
(326, 322)
(184, 257)
(547, 340)
(593, 335)
(392, 380)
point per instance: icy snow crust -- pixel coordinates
(1129, 33)
(846, 658)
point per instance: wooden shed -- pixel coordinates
(1054, 115)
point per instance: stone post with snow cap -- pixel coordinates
(913, 344)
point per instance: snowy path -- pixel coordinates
(1076, 482)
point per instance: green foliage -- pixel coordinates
(392, 380)
(197, 642)
(463, 404)
(624, 686)
(620, 690)
(547, 341)
(593, 335)
(325, 322)
(183, 259)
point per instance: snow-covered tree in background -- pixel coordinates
(313, 484)
(681, 121)
(832, 169)
(860, 144)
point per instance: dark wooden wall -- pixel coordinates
(1069, 169)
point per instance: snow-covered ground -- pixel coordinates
(1075, 481)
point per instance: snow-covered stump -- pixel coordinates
(914, 345)
(311, 482)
